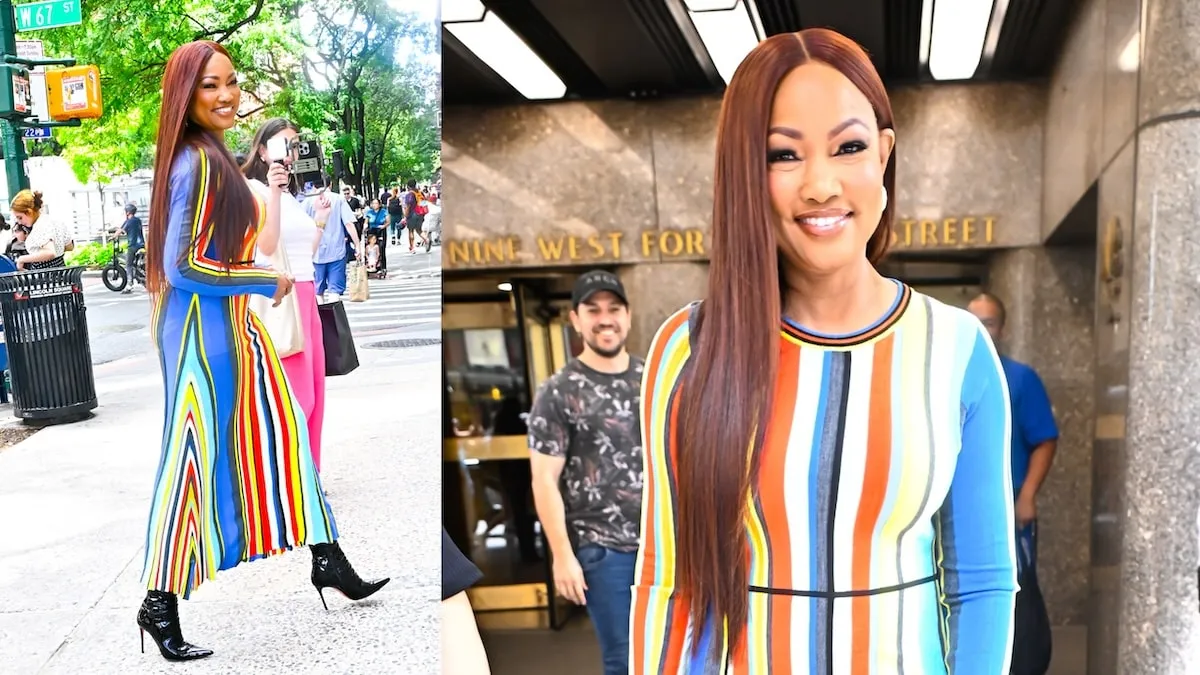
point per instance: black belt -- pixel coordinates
(842, 594)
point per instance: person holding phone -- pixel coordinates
(236, 481)
(274, 145)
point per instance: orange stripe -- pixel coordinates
(772, 494)
(874, 489)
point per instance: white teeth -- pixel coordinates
(824, 222)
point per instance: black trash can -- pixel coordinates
(49, 355)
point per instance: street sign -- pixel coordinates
(37, 133)
(30, 49)
(40, 105)
(48, 14)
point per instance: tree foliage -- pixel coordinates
(344, 84)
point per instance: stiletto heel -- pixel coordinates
(159, 616)
(331, 569)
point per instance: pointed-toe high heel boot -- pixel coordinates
(330, 569)
(159, 616)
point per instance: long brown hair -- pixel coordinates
(233, 206)
(735, 337)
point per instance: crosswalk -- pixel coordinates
(396, 303)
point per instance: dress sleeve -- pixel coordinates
(975, 526)
(659, 621)
(189, 246)
(458, 573)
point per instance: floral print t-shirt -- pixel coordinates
(592, 419)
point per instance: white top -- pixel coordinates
(48, 231)
(297, 234)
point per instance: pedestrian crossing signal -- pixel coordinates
(73, 93)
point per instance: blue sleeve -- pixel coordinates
(188, 253)
(975, 527)
(1033, 416)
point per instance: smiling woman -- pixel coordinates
(237, 481)
(869, 528)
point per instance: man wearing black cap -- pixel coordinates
(585, 435)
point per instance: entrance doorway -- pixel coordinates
(502, 336)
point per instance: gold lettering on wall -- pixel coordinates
(496, 252)
(907, 233)
(965, 232)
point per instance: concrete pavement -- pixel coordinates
(73, 506)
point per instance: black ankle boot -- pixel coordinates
(330, 569)
(159, 616)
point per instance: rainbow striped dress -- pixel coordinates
(880, 528)
(236, 481)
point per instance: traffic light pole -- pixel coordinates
(13, 145)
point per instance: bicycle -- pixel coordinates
(114, 274)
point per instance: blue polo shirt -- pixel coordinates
(1032, 417)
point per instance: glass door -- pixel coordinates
(487, 497)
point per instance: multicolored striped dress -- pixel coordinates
(880, 527)
(236, 480)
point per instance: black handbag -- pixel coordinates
(1032, 641)
(340, 356)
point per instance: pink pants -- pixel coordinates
(306, 370)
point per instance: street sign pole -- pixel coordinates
(14, 146)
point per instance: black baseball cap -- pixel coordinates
(591, 283)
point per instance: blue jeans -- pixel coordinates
(330, 277)
(609, 577)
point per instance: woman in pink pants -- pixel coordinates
(299, 234)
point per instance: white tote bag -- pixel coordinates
(283, 322)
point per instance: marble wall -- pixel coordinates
(656, 292)
(972, 149)
(575, 183)
(1159, 629)
(1091, 111)
(1050, 297)
(1124, 108)
(1109, 448)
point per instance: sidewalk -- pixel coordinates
(73, 507)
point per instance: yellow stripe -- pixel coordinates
(757, 644)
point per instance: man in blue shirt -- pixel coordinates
(329, 262)
(131, 229)
(1034, 432)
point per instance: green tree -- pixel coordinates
(344, 86)
(383, 119)
(130, 41)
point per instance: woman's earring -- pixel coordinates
(884, 208)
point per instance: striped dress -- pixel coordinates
(236, 480)
(880, 527)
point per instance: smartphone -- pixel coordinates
(277, 149)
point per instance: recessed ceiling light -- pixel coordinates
(494, 43)
(504, 286)
(725, 28)
(957, 38)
